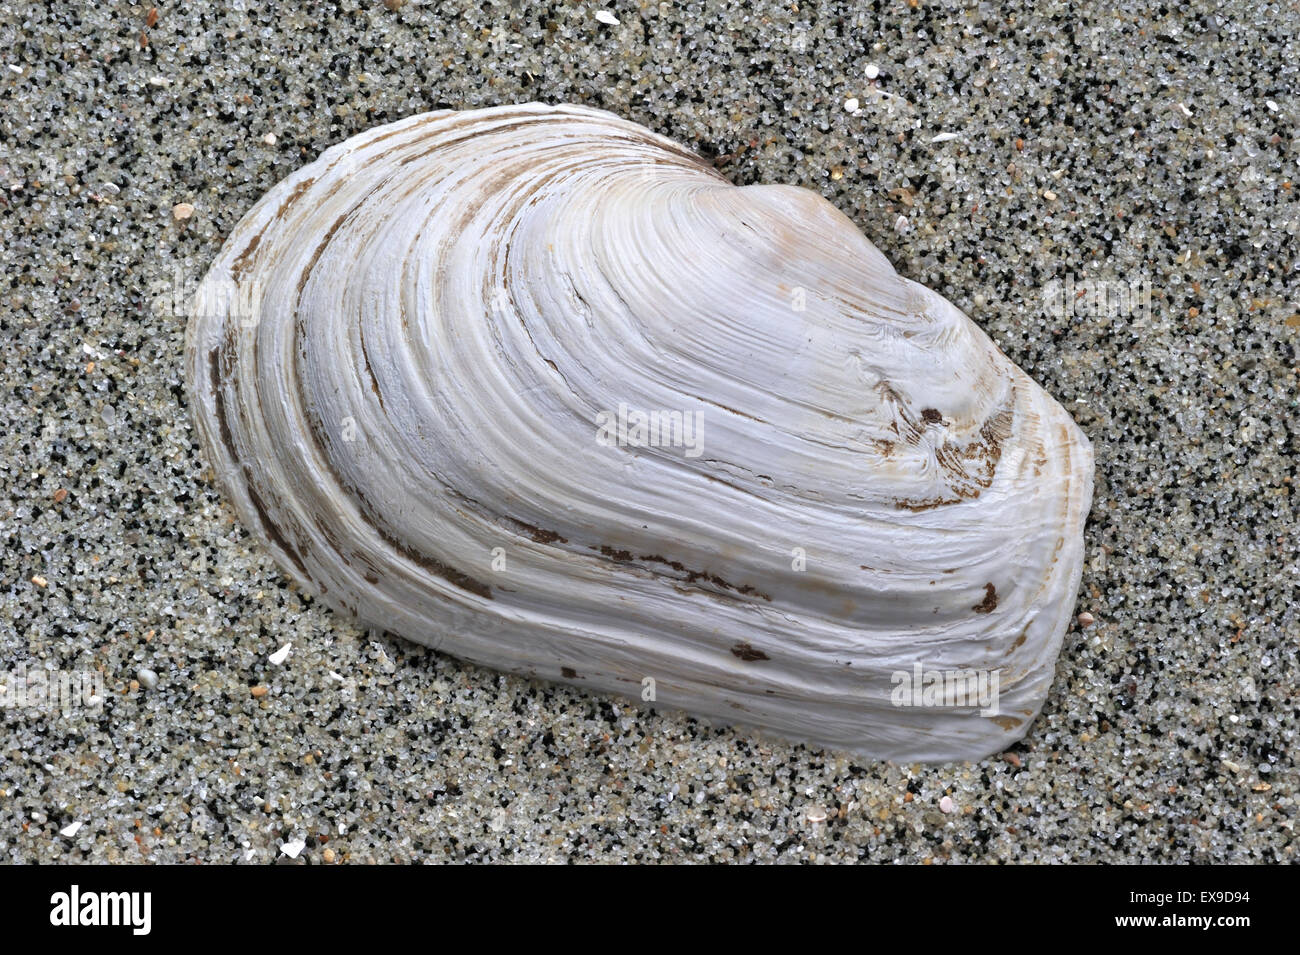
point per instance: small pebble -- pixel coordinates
(872, 71)
(328, 856)
(39, 581)
(946, 804)
(148, 679)
(182, 211)
(851, 104)
(269, 139)
(1086, 619)
(258, 692)
(604, 16)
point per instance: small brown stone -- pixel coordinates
(258, 691)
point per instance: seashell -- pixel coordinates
(539, 388)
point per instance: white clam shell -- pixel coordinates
(398, 360)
